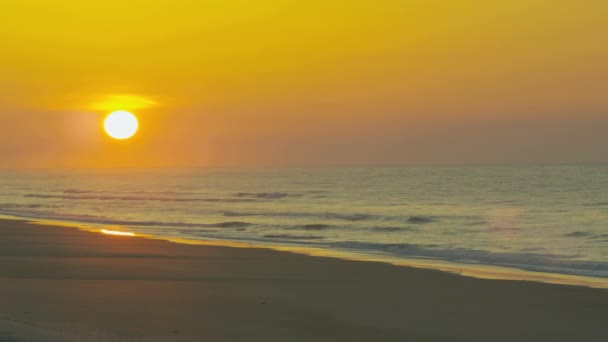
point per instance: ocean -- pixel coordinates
(547, 218)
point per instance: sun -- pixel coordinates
(121, 125)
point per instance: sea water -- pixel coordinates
(533, 217)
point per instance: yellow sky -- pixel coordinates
(303, 82)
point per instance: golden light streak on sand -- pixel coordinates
(115, 232)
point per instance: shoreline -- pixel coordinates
(63, 284)
(474, 270)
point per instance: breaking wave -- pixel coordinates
(564, 264)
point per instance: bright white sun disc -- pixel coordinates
(120, 124)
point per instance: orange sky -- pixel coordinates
(267, 82)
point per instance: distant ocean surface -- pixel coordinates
(542, 218)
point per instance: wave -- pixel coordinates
(267, 195)
(346, 217)
(578, 234)
(413, 219)
(420, 219)
(76, 191)
(293, 237)
(138, 198)
(349, 217)
(200, 232)
(93, 219)
(314, 226)
(509, 201)
(184, 231)
(79, 191)
(25, 206)
(588, 235)
(563, 264)
(553, 263)
(229, 224)
(237, 214)
(477, 223)
(392, 229)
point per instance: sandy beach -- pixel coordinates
(64, 284)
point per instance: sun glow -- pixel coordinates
(121, 124)
(125, 102)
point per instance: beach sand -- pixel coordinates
(65, 284)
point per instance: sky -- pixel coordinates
(303, 83)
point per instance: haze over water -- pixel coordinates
(533, 217)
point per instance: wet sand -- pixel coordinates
(64, 284)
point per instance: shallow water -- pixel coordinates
(542, 218)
